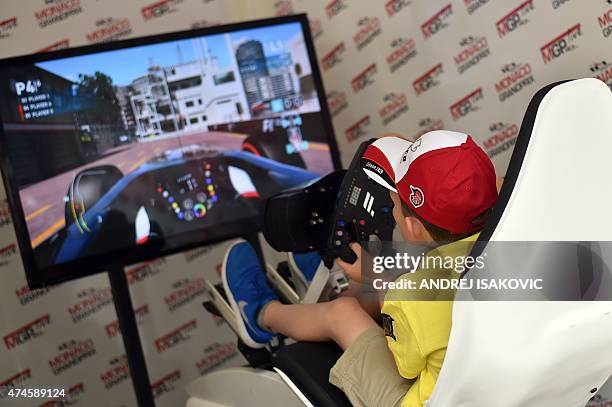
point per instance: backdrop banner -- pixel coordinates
(389, 66)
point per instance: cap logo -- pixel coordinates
(413, 147)
(370, 164)
(417, 199)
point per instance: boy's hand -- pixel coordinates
(353, 271)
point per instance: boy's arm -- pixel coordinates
(402, 340)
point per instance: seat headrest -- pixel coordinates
(556, 182)
(557, 188)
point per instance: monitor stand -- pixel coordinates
(129, 328)
(130, 335)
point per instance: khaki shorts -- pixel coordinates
(367, 373)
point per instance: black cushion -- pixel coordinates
(308, 364)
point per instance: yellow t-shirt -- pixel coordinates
(418, 332)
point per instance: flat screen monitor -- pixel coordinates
(120, 152)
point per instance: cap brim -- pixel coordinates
(382, 158)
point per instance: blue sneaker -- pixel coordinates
(305, 264)
(247, 291)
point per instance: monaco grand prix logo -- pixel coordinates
(474, 50)
(417, 199)
(337, 102)
(194, 254)
(358, 129)
(283, 8)
(316, 29)
(514, 19)
(166, 384)
(89, 302)
(215, 355)
(183, 292)
(466, 105)
(109, 29)
(558, 3)
(112, 329)
(364, 78)
(204, 23)
(402, 51)
(61, 44)
(56, 11)
(7, 26)
(16, 380)
(144, 270)
(473, 5)
(502, 139)
(395, 106)
(25, 295)
(71, 353)
(335, 7)
(428, 80)
(118, 371)
(333, 57)
(603, 71)
(368, 30)
(159, 9)
(176, 336)
(395, 6)
(7, 253)
(516, 78)
(27, 332)
(562, 44)
(437, 22)
(5, 213)
(605, 22)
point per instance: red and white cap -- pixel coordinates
(444, 176)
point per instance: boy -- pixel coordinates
(442, 186)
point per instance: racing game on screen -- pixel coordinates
(133, 146)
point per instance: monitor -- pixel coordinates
(120, 152)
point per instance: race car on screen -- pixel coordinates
(183, 190)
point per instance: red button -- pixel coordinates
(362, 222)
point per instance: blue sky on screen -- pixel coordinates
(125, 65)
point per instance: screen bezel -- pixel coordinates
(39, 277)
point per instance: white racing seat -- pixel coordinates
(558, 188)
(500, 353)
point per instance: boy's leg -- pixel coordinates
(371, 303)
(341, 320)
(366, 372)
(261, 314)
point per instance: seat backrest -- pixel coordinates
(557, 188)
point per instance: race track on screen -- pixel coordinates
(43, 202)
